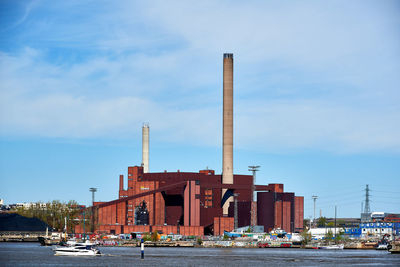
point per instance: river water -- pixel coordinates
(32, 254)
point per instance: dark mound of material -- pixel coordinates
(16, 222)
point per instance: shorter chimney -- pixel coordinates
(145, 147)
(121, 183)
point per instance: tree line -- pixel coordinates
(54, 213)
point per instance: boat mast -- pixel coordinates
(65, 228)
(335, 225)
(84, 233)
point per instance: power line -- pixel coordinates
(390, 192)
(383, 186)
(341, 193)
(340, 204)
(338, 199)
(397, 197)
(324, 197)
(386, 202)
(333, 203)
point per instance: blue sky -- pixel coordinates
(316, 94)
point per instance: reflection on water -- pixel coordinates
(32, 254)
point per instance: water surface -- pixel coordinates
(32, 254)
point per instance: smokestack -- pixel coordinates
(227, 139)
(121, 183)
(145, 147)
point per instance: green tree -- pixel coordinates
(306, 224)
(146, 237)
(306, 236)
(53, 213)
(339, 236)
(154, 236)
(329, 235)
(321, 222)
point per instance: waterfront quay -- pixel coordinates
(20, 236)
(199, 243)
(363, 245)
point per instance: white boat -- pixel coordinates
(382, 246)
(341, 246)
(77, 249)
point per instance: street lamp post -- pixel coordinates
(235, 215)
(315, 199)
(93, 190)
(253, 169)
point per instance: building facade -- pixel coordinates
(190, 203)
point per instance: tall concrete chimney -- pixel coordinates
(227, 139)
(145, 147)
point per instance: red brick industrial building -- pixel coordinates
(191, 204)
(197, 203)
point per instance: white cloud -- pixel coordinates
(50, 101)
(307, 75)
(288, 125)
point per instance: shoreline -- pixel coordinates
(207, 244)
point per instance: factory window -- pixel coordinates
(208, 199)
